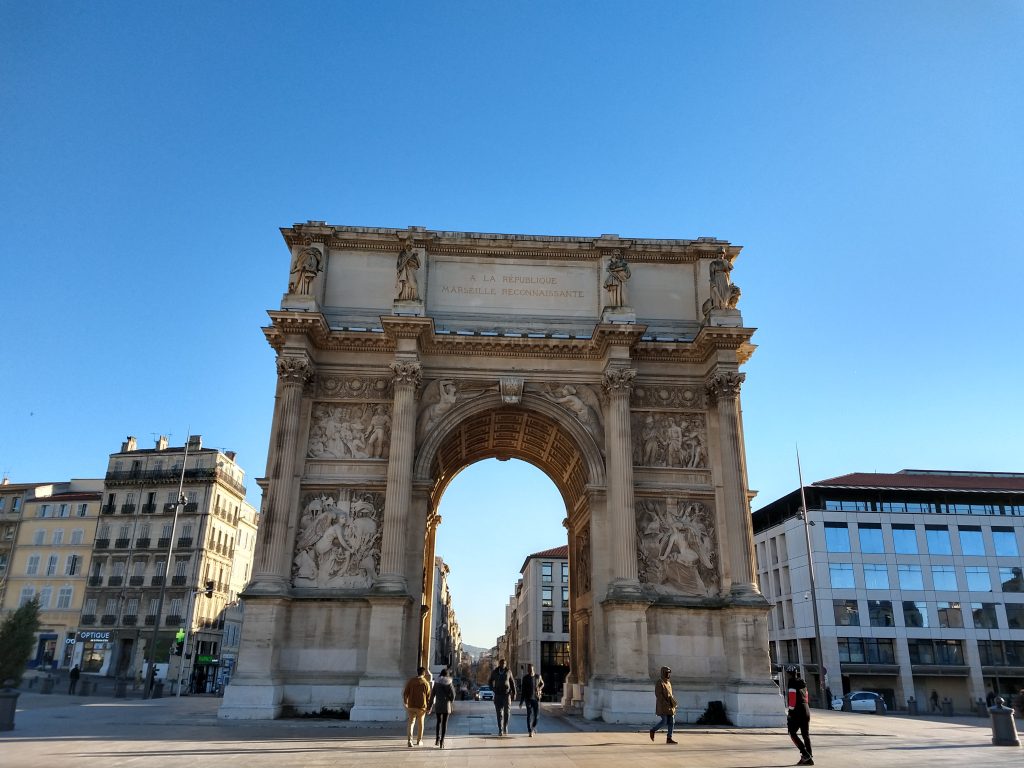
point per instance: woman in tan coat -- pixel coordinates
(665, 705)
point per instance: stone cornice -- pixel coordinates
(709, 339)
(284, 323)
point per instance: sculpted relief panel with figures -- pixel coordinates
(676, 547)
(350, 431)
(669, 440)
(339, 540)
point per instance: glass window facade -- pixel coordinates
(841, 575)
(871, 539)
(904, 539)
(1005, 542)
(984, 615)
(978, 579)
(837, 537)
(910, 576)
(1015, 615)
(971, 542)
(938, 540)
(876, 576)
(847, 614)
(915, 613)
(950, 615)
(1011, 579)
(880, 613)
(943, 578)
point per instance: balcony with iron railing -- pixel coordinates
(102, 543)
(129, 620)
(107, 509)
(172, 619)
(95, 581)
(127, 509)
(122, 543)
(142, 543)
(163, 542)
(178, 581)
(137, 581)
(108, 619)
(115, 581)
(150, 619)
(184, 542)
(88, 619)
(148, 509)
(156, 581)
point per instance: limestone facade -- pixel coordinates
(611, 364)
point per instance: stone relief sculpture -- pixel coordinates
(669, 440)
(440, 396)
(645, 395)
(350, 387)
(338, 540)
(615, 282)
(582, 401)
(724, 295)
(406, 287)
(358, 431)
(676, 548)
(581, 567)
(307, 265)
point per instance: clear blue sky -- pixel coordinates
(868, 156)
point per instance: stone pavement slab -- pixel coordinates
(76, 732)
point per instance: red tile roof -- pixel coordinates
(562, 551)
(929, 480)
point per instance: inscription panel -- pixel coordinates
(498, 287)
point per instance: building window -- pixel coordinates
(880, 613)
(44, 510)
(841, 575)
(950, 615)
(837, 505)
(565, 597)
(936, 652)
(565, 622)
(876, 576)
(547, 621)
(83, 510)
(58, 537)
(72, 565)
(38, 537)
(893, 506)
(545, 572)
(565, 573)
(915, 613)
(910, 576)
(904, 539)
(1010, 579)
(937, 537)
(1015, 615)
(1005, 542)
(77, 536)
(943, 578)
(64, 598)
(913, 506)
(63, 511)
(984, 615)
(33, 565)
(870, 539)
(45, 594)
(546, 597)
(978, 579)
(856, 650)
(837, 537)
(26, 596)
(846, 613)
(971, 542)
(51, 565)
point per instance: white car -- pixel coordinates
(858, 701)
(485, 693)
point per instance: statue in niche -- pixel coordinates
(582, 402)
(349, 431)
(307, 265)
(615, 282)
(676, 547)
(724, 295)
(581, 568)
(338, 541)
(669, 441)
(406, 288)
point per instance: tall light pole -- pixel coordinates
(814, 594)
(178, 509)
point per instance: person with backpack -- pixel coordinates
(504, 686)
(798, 717)
(530, 690)
(441, 697)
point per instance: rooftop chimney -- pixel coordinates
(161, 443)
(129, 445)
(195, 442)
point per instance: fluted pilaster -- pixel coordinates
(273, 556)
(724, 391)
(407, 376)
(618, 384)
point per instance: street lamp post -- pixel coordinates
(814, 595)
(178, 509)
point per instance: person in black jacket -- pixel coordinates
(798, 717)
(441, 697)
(504, 686)
(530, 690)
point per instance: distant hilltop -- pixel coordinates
(474, 650)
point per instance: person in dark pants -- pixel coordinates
(530, 690)
(442, 694)
(798, 718)
(934, 698)
(504, 687)
(73, 676)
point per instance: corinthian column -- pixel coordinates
(399, 491)
(724, 390)
(618, 383)
(273, 555)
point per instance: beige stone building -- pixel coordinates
(49, 561)
(611, 363)
(159, 566)
(12, 497)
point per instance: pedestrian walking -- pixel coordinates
(935, 701)
(73, 676)
(530, 689)
(504, 686)
(798, 717)
(664, 705)
(442, 694)
(416, 698)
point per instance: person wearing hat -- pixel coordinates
(665, 705)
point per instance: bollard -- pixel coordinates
(83, 688)
(879, 706)
(121, 689)
(47, 685)
(947, 707)
(912, 706)
(1004, 729)
(158, 689)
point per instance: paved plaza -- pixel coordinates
(81, 732)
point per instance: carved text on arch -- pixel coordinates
(669, 439)
(677, 551)
(338, 542)
(350, 431)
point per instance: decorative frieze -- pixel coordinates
(669, 440)
(357, 431)
(353, 387)
(676, 547)
(657, 396)
(338, 543)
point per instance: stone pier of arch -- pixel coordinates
(611, 364)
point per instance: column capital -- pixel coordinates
(724, 385)
(294, 368)
(619, 380)
(407, 372)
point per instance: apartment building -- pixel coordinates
(174, 546)
(445, 635)
(12, 497)
(916, 578)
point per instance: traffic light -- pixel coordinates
(209, 589)
(179, 642)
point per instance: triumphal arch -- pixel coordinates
(611, 363)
